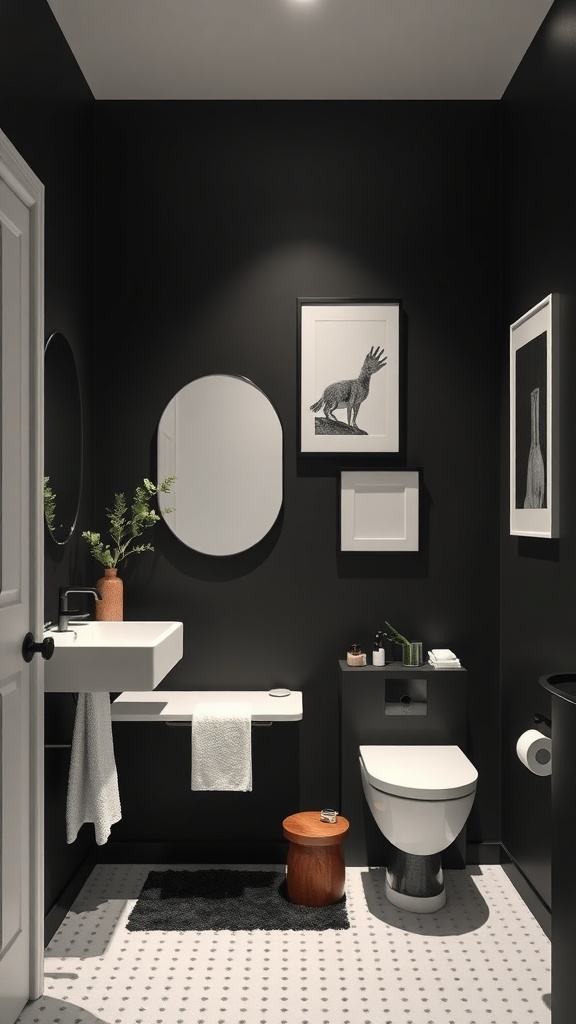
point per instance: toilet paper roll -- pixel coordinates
(535, 752)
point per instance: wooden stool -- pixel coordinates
(315, 875)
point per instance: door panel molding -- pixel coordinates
(20, 178)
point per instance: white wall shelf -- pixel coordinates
(178, 705)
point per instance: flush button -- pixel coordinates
(406, 697)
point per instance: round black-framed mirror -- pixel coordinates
(63, 438)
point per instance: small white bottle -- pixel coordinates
(378, 656)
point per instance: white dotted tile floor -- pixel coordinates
(482, 958)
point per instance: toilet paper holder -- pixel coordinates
(534, 751)
(539, 719)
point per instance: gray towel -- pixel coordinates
(93, 782)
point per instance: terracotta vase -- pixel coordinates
(111, 607)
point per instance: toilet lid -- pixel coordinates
(420, 772)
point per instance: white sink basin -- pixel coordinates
(112, 656)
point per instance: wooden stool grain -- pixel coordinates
(315, 871)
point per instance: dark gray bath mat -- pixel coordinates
(234, 900)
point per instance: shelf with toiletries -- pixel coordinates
(397, 668)
(178, 705)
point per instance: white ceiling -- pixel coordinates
(299, 49)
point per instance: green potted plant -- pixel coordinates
(49, 505)
(411, 651)
(126, 527)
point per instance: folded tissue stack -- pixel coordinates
(441, 657)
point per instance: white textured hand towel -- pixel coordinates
(436, 662)
(222, 746)
(442, 654)
(93, 781)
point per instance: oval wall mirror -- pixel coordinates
(221, 438)
(62, 439)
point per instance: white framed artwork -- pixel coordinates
(534, 422)
(379, 510)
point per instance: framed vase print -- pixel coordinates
(349, 376)
(534, 421)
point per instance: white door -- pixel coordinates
(21, 583)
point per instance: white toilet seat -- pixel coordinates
(420, 772)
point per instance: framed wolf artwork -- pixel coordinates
(349, 376)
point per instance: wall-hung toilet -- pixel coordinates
(420, 798)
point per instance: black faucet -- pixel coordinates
(65, 613)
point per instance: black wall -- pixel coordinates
(211, 218)
(46, 110)
(539, 257)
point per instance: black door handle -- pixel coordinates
(30, 647)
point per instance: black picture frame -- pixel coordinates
(349, 355)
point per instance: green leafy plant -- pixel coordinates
(395, 636)
(49, 505)
(127, 525)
